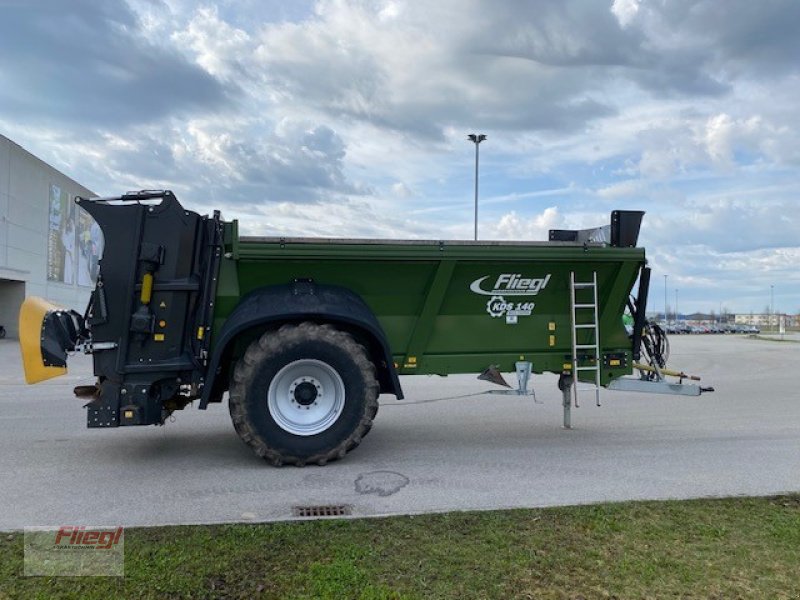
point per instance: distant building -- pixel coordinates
(48, 246)
(766, 320)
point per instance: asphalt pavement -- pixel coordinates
(424, 454)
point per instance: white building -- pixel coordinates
(768, 321)
(48, 246)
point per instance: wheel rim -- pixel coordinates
(306, 397)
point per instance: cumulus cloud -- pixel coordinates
(349, 117)
(85, 62)
(625, 11)
(731, 225)
(627, 188)
(218, 47)
(496, 71)
(723, 134)
(343, 218)
(401, 190)
(512, 226)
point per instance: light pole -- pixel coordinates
(676, 305)
(666, 319)
(771, 307)
(476, 138)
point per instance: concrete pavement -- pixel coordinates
(423, 454)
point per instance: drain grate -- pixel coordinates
(325, 510)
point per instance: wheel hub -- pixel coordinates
(306, 397)
(305, 392)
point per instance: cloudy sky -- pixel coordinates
(349, 118)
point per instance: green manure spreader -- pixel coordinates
(305, 334)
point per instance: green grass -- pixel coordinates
(727, 548)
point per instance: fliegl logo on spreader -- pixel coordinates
(510, 284)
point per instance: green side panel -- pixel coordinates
(453, 307)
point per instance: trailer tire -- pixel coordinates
(303, 394)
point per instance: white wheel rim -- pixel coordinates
(306, 397)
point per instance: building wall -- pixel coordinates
(12, 293)
(767, 320)
(25, 189)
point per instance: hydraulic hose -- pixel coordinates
(655, 349)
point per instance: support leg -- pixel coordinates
(565, 384)
(523, 375)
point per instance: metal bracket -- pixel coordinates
(89, 347)
(627, 384)
(524, 369)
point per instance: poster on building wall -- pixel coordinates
(61, 237)
(74, 242)
(90, 248)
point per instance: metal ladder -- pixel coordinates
(592, 327)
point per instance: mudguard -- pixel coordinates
(294, 303)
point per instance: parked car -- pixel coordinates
(747, 329)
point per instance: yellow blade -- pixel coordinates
(31, 318)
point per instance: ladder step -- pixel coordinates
(586, 326)
(583, 286)
(585, 346)
(587, 368)
(585, 306)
